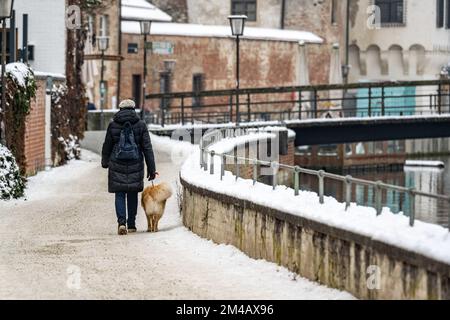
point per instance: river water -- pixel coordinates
(432, 180)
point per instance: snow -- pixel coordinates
(215, 31)
(424, 163)
(43, 74)
(20, 73)
(143, 10)
(10, 181)
(427, 239)
(229, 143)
(68, 223)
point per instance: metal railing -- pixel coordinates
(301, 102)
(321, 175)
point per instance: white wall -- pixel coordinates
(46, 31)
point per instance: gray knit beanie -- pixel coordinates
(127, 104)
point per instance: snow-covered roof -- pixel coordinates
(214, 31)
(143, 10)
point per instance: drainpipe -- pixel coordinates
(347, 44)
(119, 69)
(283, 12)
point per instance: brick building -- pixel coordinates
(205, 58)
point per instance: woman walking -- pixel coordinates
(127, 145)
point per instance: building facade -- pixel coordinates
(399, 39)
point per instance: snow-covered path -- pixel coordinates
(66, 230)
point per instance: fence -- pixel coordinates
(301, 102)
(321, 175)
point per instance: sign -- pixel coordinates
(105, 57)
(163, 48)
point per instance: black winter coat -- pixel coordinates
(127, 176)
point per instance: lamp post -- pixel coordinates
(146, 26)
(6, 8)
(237, 24)
(103, 44)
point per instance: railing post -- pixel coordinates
(439, 99)
(370, 102)
(231, 108)
(378, 198)
(348, 191)
(300, 105)
(211, 164)
(201, 155)
(274, 166)
(248, 108)
(412, 207)
(236, 166)
(297, 180)
(222, 166)
(321, 186)
(255, 172)
(382, 100)
(182, 111)
(163, 116)
(315, 104)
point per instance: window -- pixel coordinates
(137, 89)
(91, 24)
(197, 87)
(246, 7)
(392, 11)
(132, 48)
(440, 13)
(165, 87)
(104, 26)
(333, 11)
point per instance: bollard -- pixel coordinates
(211, 164)
(449, 217)
(201, 155)
(236, 167)
(255, 172)
(378, 198)
(296, 180)
(222, 167)
(348, 191)
(274, 166)
(321, 186)
(412, 206)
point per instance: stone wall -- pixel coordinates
(334, 257)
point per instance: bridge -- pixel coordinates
(322, 114)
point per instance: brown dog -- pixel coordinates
(154, 202)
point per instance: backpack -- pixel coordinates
(127, 148)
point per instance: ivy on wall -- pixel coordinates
(20, 88)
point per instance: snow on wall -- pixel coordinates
(426, 239)
(198, 30)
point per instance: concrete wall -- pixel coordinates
(331, 256)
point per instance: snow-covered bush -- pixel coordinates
(12, 185)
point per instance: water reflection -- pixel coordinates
(432, 180)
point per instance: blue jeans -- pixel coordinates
(131, 199)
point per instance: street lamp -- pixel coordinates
(103, 44)
(237, 24)
(146, 26)
(6, 8)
